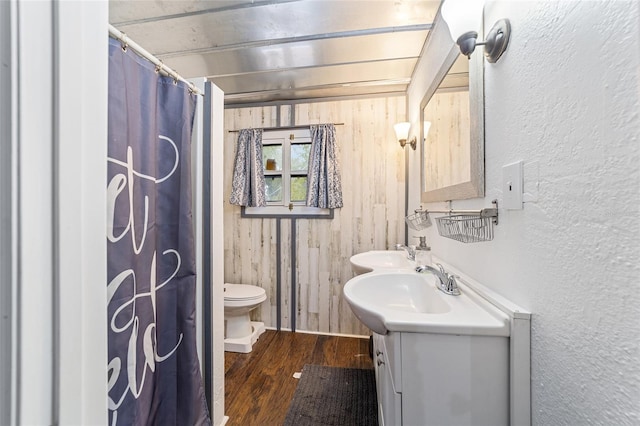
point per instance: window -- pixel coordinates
(285, 159)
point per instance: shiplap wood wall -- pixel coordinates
(373, 185)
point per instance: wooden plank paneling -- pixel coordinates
(324, 277)
(303, 269)
(286, 273)
(250, 244)
(373, 184)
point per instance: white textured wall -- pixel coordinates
(565, 99)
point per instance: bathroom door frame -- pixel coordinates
(6, 212)
(213, 217)
(53, 212)
(208, 214)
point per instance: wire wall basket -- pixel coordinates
(419, 220)
(466, 228)
(469, 226)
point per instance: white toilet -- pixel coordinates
(240, 332)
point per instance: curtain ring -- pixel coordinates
(124, 45)
(159, 66)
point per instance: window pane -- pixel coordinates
(300, 156)
(299, 188)
(272, 157)
(273, 188)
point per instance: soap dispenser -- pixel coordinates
(423, 253)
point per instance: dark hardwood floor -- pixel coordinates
(259, 385)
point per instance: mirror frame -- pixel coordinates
(475, 187)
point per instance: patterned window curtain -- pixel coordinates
(324, 187)
(248, 187)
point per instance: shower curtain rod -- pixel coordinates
(122, 37)
(301, 126)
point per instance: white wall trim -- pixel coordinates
(80, 170)
(34, 259)
(217, 252)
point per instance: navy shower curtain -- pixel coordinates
(153, 372)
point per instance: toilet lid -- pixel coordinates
(242, 291)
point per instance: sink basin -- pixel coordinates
(362, 263)
(396, 300)
(406, 292)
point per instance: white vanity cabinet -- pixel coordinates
(441, 379)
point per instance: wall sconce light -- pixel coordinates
(402, 133)
(464, 18)
(426, 125)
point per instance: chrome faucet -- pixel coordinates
(446, 282)
(411, 252)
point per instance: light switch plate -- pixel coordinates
(512, 185)
(530, 182)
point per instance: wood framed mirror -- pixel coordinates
(452, 131)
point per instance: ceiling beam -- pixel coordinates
(370, 83)
(312, 67)
(247, 5)
(306, 97)
(284, 40)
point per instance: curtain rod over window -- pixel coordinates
(160, 66)
(301, 126)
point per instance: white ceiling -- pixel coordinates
(278, 50)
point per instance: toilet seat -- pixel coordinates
(242, 292)
(238, 292)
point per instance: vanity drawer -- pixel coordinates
(389, 400)
(393, 355)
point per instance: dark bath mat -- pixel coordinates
(334, 396)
